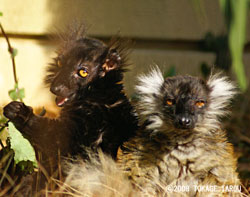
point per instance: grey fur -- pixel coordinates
(162, 157)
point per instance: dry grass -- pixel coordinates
(98, 177)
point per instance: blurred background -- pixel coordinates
(182, 37)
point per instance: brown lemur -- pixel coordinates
(86, 78)
(182, 145)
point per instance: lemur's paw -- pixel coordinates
(17, 112)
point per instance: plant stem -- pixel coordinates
(10, 49)
(10, 155)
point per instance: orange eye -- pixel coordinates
(83, 73)
(169, 102)
(200, 104)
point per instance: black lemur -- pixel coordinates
(86, 78)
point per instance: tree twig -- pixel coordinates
(11, 51)
(10, 155)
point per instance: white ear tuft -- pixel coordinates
(222, 91)
(151, 83)
(149, 90)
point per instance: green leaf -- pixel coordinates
(1, 14)
(2, 119)
(225, 6)
(17, 93)
(21, 93)
(22, 148)
(237, 34)
(235, 16)
(14, 52)
(13, 94)
(26, 167)
(3, 131)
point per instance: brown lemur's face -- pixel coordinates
(79, 66)
(184, 101)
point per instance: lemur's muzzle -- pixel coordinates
(184, 121)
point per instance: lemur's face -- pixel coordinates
(185, 100)
(77, 67)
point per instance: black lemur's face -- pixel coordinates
(77, 67)
(185, 101)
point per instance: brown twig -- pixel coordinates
(10, 156)
(11, 51)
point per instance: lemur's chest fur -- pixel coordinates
(103, 125)
(157, 164)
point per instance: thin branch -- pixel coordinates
(10, 155)
(11, 51)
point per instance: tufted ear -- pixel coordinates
(222, 92)
(112, 62)
(149, 89)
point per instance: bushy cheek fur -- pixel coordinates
(148, 88)
(220, 92)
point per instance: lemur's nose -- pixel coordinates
(184, 121)
(60, 90)
(56, 89)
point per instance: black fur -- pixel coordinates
(95, 112)
(185, 93)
